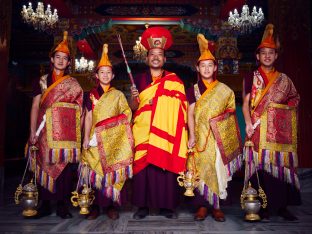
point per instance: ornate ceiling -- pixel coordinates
(92, 23)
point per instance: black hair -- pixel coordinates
(67, 69)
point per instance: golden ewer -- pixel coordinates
(190, 178)
(29, 192)
(84, 199)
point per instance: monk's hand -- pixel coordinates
(85, 143)
(33, 138)
(134, 92)
(191, 142)
(249, 130)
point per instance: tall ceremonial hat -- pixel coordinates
(205, 53)
(63, 46)
(268, 40)
(104, 61)
(156, 37)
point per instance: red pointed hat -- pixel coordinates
(156, 37)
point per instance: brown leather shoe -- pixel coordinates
(141, 213)
(201, 213)
(218, 215)
(94, 213)
(112, 213)
(63, 212)
(286, 214)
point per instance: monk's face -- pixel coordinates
(267, 56)
(156, 58)
(105, 75)
(60, 61)
(206, 68)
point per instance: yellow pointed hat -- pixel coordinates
(205, 53)
(268, 38)
(104, 59)
(63, 46)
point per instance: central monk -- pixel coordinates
(159, 130)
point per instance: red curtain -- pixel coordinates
(292, 21)
(5, 35)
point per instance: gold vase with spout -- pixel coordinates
(190, 178)
(84, 200)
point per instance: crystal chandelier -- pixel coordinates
(245, 22)
(139, 51)
(40, 19)
(83, 65)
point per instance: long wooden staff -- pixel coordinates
(126, 62)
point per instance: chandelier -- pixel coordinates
(139, 51)
(245, 22)
(40, 19)
(83, 65)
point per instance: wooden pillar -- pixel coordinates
(5, 33)
(292, 20)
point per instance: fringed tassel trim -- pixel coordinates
(209, 195)
(234, 165)
(64, 155)
(44, 179)
(118, 176)
(112, 193)
(280, 165)
(108, 180)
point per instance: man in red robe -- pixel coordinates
(270, 112)
(55, 131)
(159, 130)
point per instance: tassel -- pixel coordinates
(280, 165)
(64, 155)
(209, 195)
(234, 165)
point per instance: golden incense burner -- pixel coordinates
(251, 204)
(84, 200)
(28, 195)
(190, 178)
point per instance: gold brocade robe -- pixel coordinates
(210, 104)
(113, 154)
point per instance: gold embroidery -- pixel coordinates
(208, 106)
(264, 144)
(196, 92)
(43, 83)
(230, 141)
(110, 104)
(49, 124)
